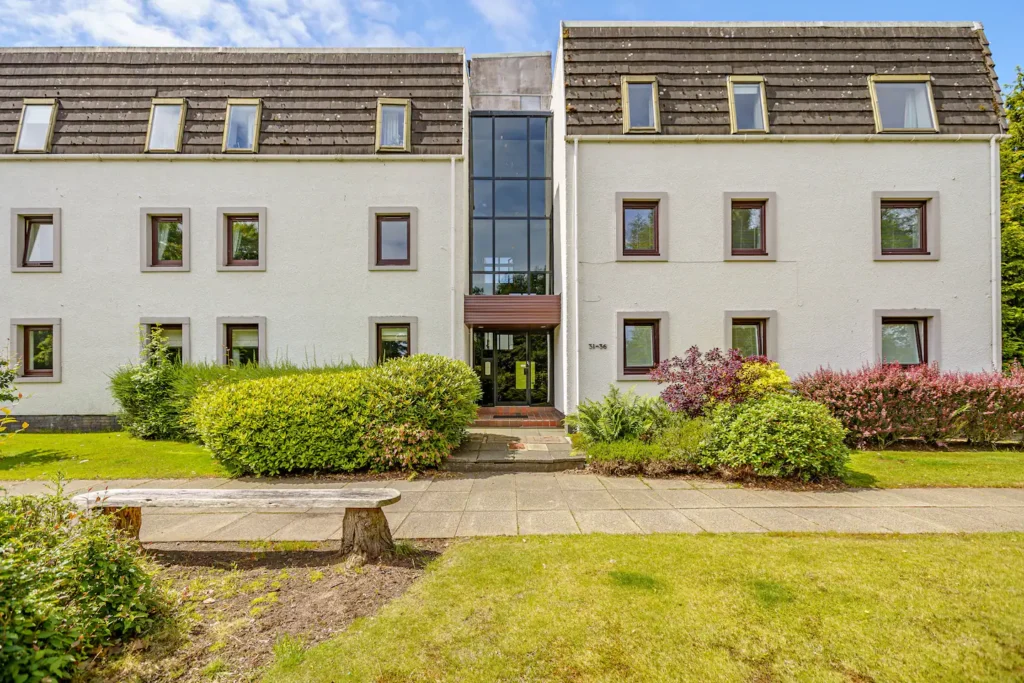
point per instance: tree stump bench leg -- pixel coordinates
(365, 534)
(128, 520)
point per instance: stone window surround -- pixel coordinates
(186, 342)
(663, 345)
(663, 225)
(932, 320)
(771, 333)
(222, 336)
(17, 342)
(18, 217)
(413, 214)
(770, 225)
(931, 207)
(413, 323)
(223, 213)
(146, 238)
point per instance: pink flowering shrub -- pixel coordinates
(697, 381)
(881, 404)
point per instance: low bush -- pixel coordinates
(779, 435)
(619, 416)
(69, 586)
(881, 404)
(8, 394)
(676, 448)
(409, 412)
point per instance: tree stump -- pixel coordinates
(128, 520)
(365, 534)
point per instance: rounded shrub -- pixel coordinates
(779, 435)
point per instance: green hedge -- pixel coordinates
(409, 412)
(70, 586)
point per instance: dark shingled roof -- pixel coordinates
(816, 76)
(314, 101)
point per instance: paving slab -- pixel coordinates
(721, 520)
(713, 484)
(737, 498)
(879, 498)
(788, 499)
(592, 500)
(542, 522)
(941, 497)
(663, 521)
(1011, 519)
(835, 519)
(494, 482)
(310, 527)
(777, 519)
(429, 525)
(834, 499)
(157, 528)
(954, 519)
(484, 501)
(631, 499)
(407, 502)
(689, 499)
(1016, 495)
(530, 499)
(206, 483)
(605, 522)
(898, 521)
(403, 485)
(493, 523)
(256, 526)
(537, 481)
(579, 482)
(444, 501)
(995, 497)
(623, 483)
(443, 485)
(27, 488)
(658, 484)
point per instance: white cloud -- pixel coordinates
(509, 19)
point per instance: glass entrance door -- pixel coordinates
(513, 366)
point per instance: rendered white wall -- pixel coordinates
(317, 293)
(825, 284)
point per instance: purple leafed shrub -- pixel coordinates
(698, 380)
(881, 404)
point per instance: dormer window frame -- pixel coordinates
(731, 83)
(25, 104)
(902, 78)
(406, 145)
(627, 125)
(167, 101)
(243, 101)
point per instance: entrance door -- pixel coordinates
(513, 366)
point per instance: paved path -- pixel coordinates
(571, 503)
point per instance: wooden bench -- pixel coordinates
(365, 531)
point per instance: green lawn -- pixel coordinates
(695, 608)
(896, 469)
(102, 456)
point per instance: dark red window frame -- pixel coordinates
(380, 339)
(921, 333)
(30, 221)
(229, 340)
(655, 324)
(643, 205)
(751, 204)
(231, 220)
(153, 240)
(922, 208)
(27, 349)
(762, 328)
(395, 218)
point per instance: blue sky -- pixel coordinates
(477, 25)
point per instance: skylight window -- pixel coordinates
(394, 126)
(748, 108)
(903, 103)
(640, 109)
(36, 128)
(242, 126)
(166, 123)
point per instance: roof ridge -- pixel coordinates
(772, 24)
(243, 50)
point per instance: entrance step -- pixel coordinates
(515, 450)
(526, 417)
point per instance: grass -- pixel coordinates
(113, 455)
(695, 608)
(896, 469)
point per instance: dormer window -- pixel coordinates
(640, 110)
(748, 107)
(903, 104)
(394, 125)
(166, 124)
(36, 128)
(242, 126)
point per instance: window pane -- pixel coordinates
(639, 346)
(539, 147)
(510, 246)
(245, 240)
(511, 283)
(540, 200)
(394, 342)
(172, 334)
(35, 127)
(483, 245)
(746, 338)
(392, 132)
(901, 227)
(245, 345)
(904, 105)
(483, 201)
(510, 147)
(165, 127)
(482, 284)
(901, 343)
(747, 99)
(40, 349)
(168, 240)
(539, 283)
(510, 198)
(394, 240)
(483, 154)
(638, 224)
(641, 105)
(539, 241)
(746, 228)
(39, 247)
(242, 126)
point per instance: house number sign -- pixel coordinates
(598, 346)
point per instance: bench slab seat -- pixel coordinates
(365, 531)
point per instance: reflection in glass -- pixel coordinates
(641, 105)
(510, 147)
(747, 100)
(241, 127)
(165, 127)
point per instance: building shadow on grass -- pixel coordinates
(36, 456)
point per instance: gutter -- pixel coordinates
(451, 257)
(997, 295)
(173, 158)
(867, 137)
